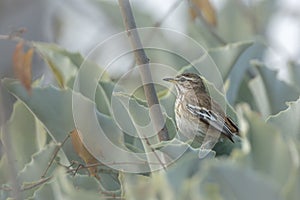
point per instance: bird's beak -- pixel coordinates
(172, 80)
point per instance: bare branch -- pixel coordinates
(29, 186)
(155, 153)
(54, 155)
(158, 24)
(144, 68)
(36, 184)
(16, 36)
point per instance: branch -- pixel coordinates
(144, 68)
(155, 154)
(37, 184)
(16, 36)
(54, 155)
(29, 186)
(158, 24)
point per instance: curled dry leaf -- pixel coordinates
(22, 63)
(206, 9)
(83, 153)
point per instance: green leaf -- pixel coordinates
(241, 68)
(294, 74)
(292, 190)
(99, 133)
(24, 134)
(5, 194)
(52, 107)
(87, 79)
(85, 182)
(167, 102)
(288, 121)
(225, 57)
(4, 177)
(143, 187)
(34, 169)
(225, 147)
(131, 115)
(182, 170)
(170, 124)
(108, 87)
(63, 63)
(270, 93)
(245, 95)
(174, 149)
(122, 116)
(102, 101)
(62, 187)
(136, 107)
(271, 155)
(230, 181)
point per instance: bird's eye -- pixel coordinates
(182, 79)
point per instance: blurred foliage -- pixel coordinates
(264, 165)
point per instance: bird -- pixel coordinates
(197, 114)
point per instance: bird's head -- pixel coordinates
(186, 82)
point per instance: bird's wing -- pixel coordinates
(212, 119)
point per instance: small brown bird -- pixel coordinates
(198, 114)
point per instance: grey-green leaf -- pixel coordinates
(288, 120)
(270, 93)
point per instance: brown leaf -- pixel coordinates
(22, 63)
(83, 153)
(26, 80)
(206, 9)
(193, 13)
(18, 58)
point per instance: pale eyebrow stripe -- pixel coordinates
(187, 78)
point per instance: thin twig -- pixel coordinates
(144, 68)
(54, 155)
(40, 182)
(156, 155)
(16, 36)
(29, 186)
(5, 188)
(44, 180)
(116, 163)
(82, 166)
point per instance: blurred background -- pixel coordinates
(233, 32)
(80, 25)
